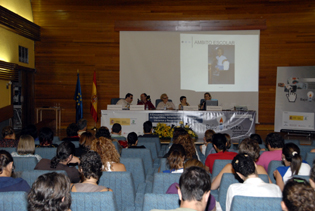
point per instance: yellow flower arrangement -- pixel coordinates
(166, 131)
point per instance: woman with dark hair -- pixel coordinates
(103, 132)
(183, 102)
(91, 170)
(298, 195)
(132, 140)
(46, 136)
(72, 133)
(8, 137)
(176, 159)
(293, 165)
(7, 182)
(85, 143)
(50, 191)
(64, 156)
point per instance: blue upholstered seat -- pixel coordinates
(218, 165)
(136, 168)
(144, 154)
(162, 181)
(8, 149)
(116, 144)
(46, 152)
(304, 149)
(310, 156)
(113, 101)
(273, 165)
(93, 201)
(297, 142)
(160, 201)
(163, 164)
(149, 145)
(24, 163)
(123, 187)
(241, 203)
(155, 140)
(31, 175)
(13, 201)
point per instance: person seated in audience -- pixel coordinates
(7, 181)
(256, 137)
(8, 137)
(46, 136)
(219, 143)
(30, 130)
(64, 156)
(85, 143)
(176, 159)
(183, 102)
(50, 191)
(145, 100)
(26, 148)
(72, 133)
(126, 102)
(194, 189)
(298, 195)
(108, 153)
(274, 143)
(165, 104)
(228, 141)
(116, 131)
(147, 130)
(132, 140)
(249, 147)
(103, 132)
(82, 124)
(207, 139)
(178, 131)
(188, 143)
(244, 167)
(312, 176)
(294, 165)
(174, 187)
(90, 169)
(207, 96)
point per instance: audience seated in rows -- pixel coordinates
(108, 153)
(90, 169)
(176, 159)
(147, 130)
(132, 140)
(46, 136)
(7, 180)
(64, 156)
(165, 104)
(173, 188)
(294, 165)
(26, 148)
(8, 137)
(298, 195)
(85, 142)
(244, 167)
(82, 124)
(252, 149)
(207, 139)
(219, 143)
(50, 191)
(274, 143)
(194, 189)
(72, 133)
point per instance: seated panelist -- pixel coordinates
(126, 102)
(165, 104)
(207, 96)
(183, 103)
(146, 102)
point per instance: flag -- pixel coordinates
(93, 107)
(78, 100)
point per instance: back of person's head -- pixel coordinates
(72, 130)
(7, 131)
(147, 126)
(30, 130)
(250, 147)
(116, 128)
(132, 138)
(26, 145)
(46, 136)
(103, 132)
(50, 191)
(292, 154)
(187, 142)
(64, 150)
(243, 164)
(86, 139)
(275, 140)
(193, 162)
(178, 131)
(82, 123)
(228, 141)
(128, 95)
(256, 137)
(91, 165)
(106, 149)
(298, 195)
(219, 140)
(176, 156)
(194, 183)
(5, 159)
(208, 135)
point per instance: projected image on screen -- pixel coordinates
(221, 64)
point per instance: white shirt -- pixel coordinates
(162, 105)
(124, 103)
(255, 187)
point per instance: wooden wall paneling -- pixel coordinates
(81, 35)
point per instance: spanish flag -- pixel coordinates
(94, 99)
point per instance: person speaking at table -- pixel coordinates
(126, 102)
(207, 96)
(146, 102)
(165, 104)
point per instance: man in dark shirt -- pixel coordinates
(147, 130)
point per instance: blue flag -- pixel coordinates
(78, 100)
